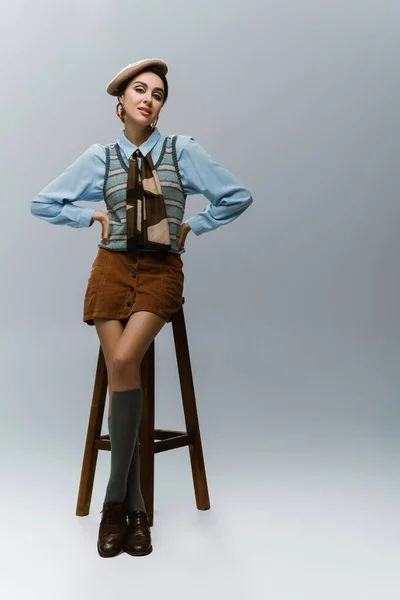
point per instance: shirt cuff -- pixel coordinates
(85, 216)
(196, 225)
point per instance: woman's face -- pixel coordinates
(145, 91)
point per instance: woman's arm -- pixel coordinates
(201, 174)
(82, 180)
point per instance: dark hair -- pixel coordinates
(154, 69)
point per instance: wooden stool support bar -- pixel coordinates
(177, 440)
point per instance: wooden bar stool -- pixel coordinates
(151, 440)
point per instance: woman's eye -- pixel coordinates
(158, 97)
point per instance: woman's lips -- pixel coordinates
(145, 112)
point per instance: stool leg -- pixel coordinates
(93, 433)
(146, 435)
(190, 411)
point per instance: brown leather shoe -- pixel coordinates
(113, 529)
(138, 538)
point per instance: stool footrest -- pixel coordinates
(175, 441)
(163, 440)
(164, 434)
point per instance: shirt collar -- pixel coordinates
(146, 147)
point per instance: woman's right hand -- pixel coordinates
(104, 219)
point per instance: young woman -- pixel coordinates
(136, 281)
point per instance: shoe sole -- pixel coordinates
(143, 553)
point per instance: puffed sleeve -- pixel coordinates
(82, 180)
(201, 174)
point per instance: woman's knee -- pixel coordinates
(132, 345)
(123, 367)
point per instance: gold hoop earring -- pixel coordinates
(120, 115)
(153, 125)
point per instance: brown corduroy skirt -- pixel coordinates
(123, 282)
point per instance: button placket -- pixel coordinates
(131, 288)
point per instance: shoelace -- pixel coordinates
(138, 518)
(111, 511)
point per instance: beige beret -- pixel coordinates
(131, 69)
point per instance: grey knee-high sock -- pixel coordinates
(133, 492)
(126, 412)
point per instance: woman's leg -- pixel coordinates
(138, 334)
(132, 345)
(113, 528)
(109, 332)
(124, 349)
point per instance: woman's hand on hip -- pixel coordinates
(104, 219)
(185, 228)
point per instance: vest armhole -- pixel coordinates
(160, 158)
(107, 148)
(175, 159)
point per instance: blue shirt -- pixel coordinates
(200, 174)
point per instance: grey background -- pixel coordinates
(291, 311)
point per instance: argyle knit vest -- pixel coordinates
(114, 190)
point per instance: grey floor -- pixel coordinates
(304, 482)
(300, 526)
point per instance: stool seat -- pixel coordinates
(151, 440)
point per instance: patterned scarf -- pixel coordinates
(146, 218)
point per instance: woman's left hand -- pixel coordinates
(185, 228)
